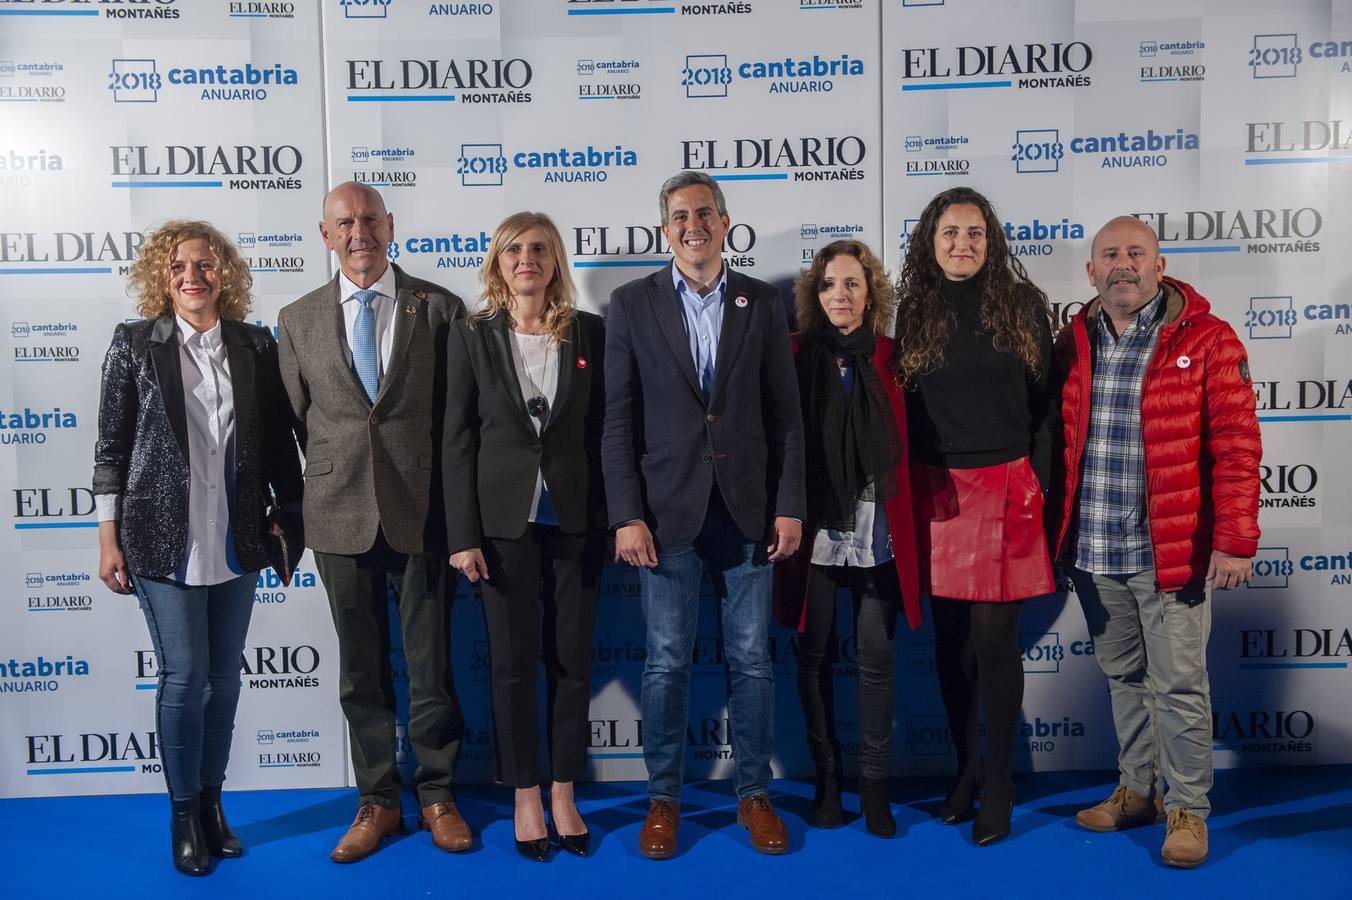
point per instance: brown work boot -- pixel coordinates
(1124, 809)
(449, 830)
(657, 838)
(1184, 840)
(373, 822)
(768, 834)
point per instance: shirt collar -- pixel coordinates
(384, 285)
(209, 339)
(1145, 317)
(719, 290)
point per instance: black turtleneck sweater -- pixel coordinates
(982, 406)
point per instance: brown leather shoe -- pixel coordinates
(1124, 809)
(449, 830)
(768, 834)
(657, 838)
(373, 822)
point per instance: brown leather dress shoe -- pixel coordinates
(657, 838)
(449, 830)
(373, 822)
(768, 834)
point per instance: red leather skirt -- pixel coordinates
(979, 532)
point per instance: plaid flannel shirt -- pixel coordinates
(1114, 529)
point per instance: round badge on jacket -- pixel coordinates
(1184, 362)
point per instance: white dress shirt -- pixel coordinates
(537, 361)
(382, 306)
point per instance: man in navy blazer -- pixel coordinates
(703, 461)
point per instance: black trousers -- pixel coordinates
(980, 665)
(358, 589)
(541, 593)
(877, 599)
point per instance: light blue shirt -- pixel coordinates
(703, 324)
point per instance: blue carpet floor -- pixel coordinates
(1274, 833)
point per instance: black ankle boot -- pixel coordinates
(188, 845)
(221, 841)
(877, 811)
(826, 812)
(992, 820)
(960, 801)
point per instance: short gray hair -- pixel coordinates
(687, 179)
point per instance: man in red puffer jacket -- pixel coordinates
(1160, 506)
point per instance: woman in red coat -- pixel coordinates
(860, 533)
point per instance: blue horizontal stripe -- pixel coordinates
(146, 687)
(616, 263)
(441, 98)
(597, 98)
(56, 525)
(1153, 80)
(1228, 248)
(36, 359)
(1329, 418)
(167, 184)
(82, 771)
(1295, 161)
(779, 177)
(263, 270)
(19, 100)
(48, 12)
(956, 86)
(58, 271)
(276, 765)
(638, 755)
(622, 12)
(1334, 665)
(248, 15)
(914, 174)
(46, 609)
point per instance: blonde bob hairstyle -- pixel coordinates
(560, 293)
(882, 303)
(149, 279)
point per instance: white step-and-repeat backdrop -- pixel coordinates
(1226, 126)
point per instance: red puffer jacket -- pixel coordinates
(1199, 427)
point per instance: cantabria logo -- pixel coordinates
(711, 75)
(1039, 237)
(140, 81)
(452, 251)
(33, 426)
(813, 158)
(1022, 66)
(1171, 61)
(472, 80)
(485, 165)
(24, 168)
(1281, 55)
(40, 675)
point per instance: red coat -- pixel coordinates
(791, 581)
(1199, 428)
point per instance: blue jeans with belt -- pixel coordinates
(198, 634)
(742, 581)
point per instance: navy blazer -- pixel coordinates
(665, 448)
(491, 452)
(142, 448)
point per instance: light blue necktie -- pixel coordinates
(364, 361)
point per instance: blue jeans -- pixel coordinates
(198, 633)
(742, 580)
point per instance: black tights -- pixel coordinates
(877, 597)
(978, 661)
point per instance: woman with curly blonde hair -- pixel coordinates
(973, 353)
(194, 440)
(858, 515)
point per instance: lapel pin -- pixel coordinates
(581, 363)
(411, 308)
(1184, 362)
(741, 302)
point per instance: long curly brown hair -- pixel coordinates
(882, 303)
(149, 278)
(560, 293)
(1012, 307)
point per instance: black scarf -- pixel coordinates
(853, 446)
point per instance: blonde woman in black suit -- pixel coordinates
(525, 508)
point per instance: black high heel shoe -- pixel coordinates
(960, 803)
(536, 849)
(992, 820)
(576, 844)
(221, 840)
(826, 811)
(186, 841)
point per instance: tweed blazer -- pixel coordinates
(370, 467)
(142, 448)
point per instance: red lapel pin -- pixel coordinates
(740, 301)
(581, 363)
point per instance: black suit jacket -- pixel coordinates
(142, 448)
(491, 451)
(665, 447)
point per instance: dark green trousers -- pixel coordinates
(358, 589)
